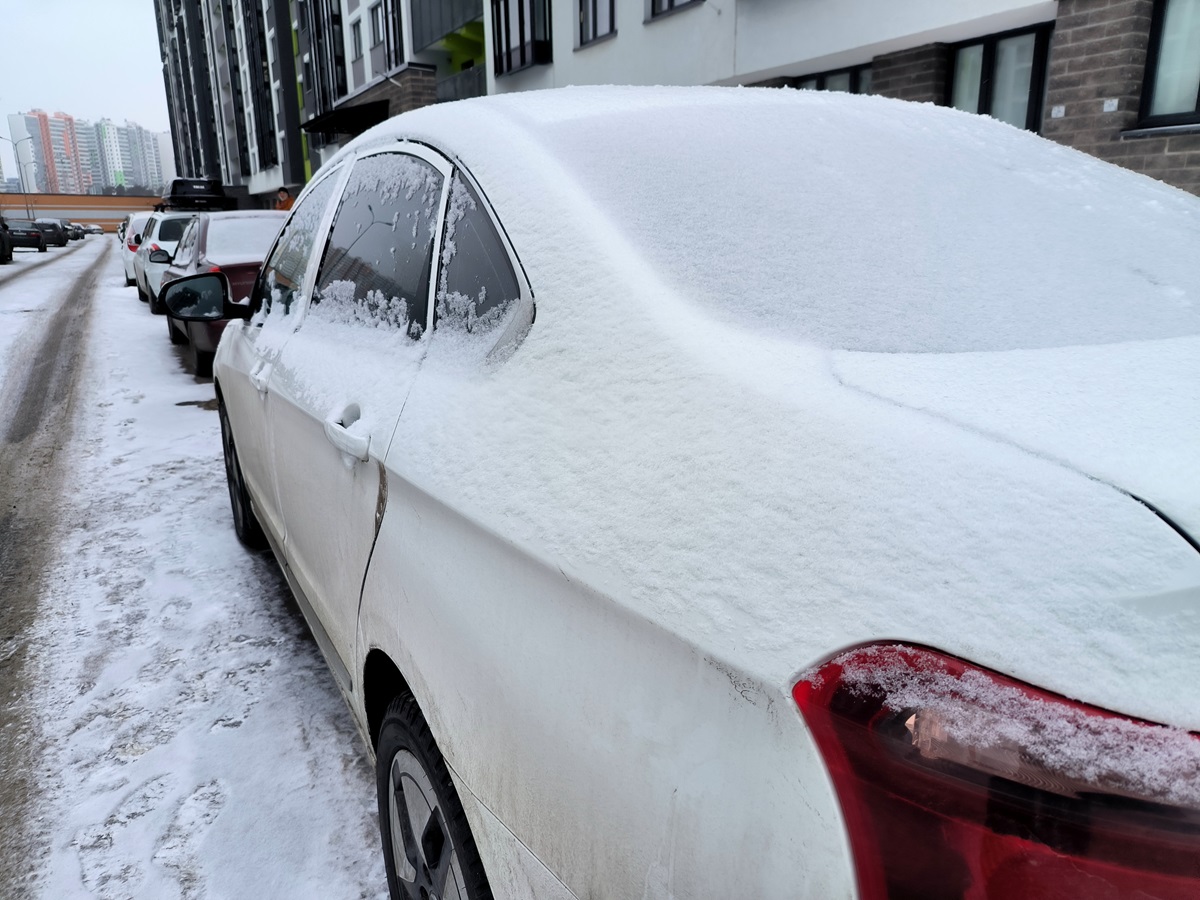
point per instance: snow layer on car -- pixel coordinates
(675, 434)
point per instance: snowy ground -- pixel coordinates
(195, 745)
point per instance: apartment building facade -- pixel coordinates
(291, 80)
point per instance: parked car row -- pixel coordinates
(161, 247)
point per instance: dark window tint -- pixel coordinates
(282, 273)
(376, 270)
(477, 282)
(172, 229)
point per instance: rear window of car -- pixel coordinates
(172, 229)
(20, 223)
(248, 238)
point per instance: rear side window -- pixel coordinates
(282, 273)
(183, 253)
(477, 284)
(376, 270)
(172, 229)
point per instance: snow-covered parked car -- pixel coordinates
(131, 237)
(717, 492)
(161, 232)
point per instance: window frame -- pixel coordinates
(659, 9)
(855, 73)
(1035, 112)
(356, 42)
(509, 57)
(1150, 78)
(375, 14)
(593, 6)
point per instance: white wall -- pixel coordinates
(796, 37)
(739, 41)
(692, 46)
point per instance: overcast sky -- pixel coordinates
(91, 59)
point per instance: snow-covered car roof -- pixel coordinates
(721, 417)
(877, 225)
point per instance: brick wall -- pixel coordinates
(414, 87)
(1098, 54)
(920, 74)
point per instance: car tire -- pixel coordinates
(42, 248)
(434, 853)
(156, 306)
(142, 294)
(174, 335)
(130, 282)
(245, 522)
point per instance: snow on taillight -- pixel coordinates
(955, 781)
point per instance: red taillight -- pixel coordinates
(957, 782)
(132, 247)
(154, 247)
(214, 268)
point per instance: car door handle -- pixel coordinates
(353, 445)
(260, 375)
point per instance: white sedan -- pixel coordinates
(739, 493)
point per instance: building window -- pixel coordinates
(356, 40)
(597, 19)
(662, 7)
(1003, 76)
(1172, 92)
(376, 24)
(856, 80)
(522, 34)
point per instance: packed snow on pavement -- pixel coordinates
(194, 744)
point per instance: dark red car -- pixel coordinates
(231, 242)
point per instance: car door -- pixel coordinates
(249, 349)
(340, 383)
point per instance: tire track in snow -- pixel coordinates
(36, 408)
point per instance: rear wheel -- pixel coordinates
(245, 523)
(42, 248)
(156, 305)
(427, 844)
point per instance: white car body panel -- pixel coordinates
(136, 224)
(604, 619)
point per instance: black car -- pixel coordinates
(6, 247)
(25, 233)
(56, 234)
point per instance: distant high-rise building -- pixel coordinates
(166, 153)
(30, 155)
(90, 164)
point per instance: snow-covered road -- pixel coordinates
(189, 740)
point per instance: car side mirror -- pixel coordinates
(198, 298)
(160, 256)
